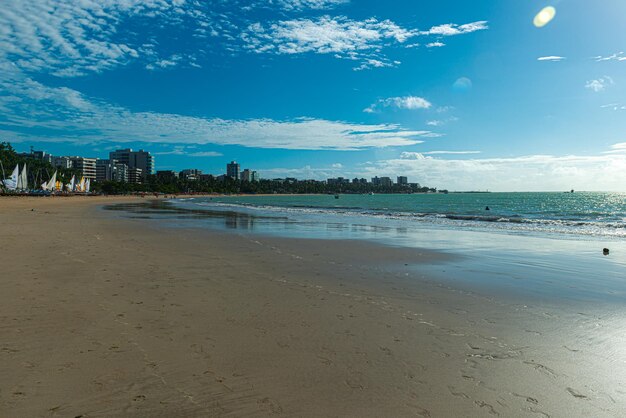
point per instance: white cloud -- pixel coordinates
(337, 165)
(618, 56)
(75, 37)
(435, 45)
(310, 4)
(551, 58)
(205, 154)
(441, 122)
(614, 106)
(406, 102)
(452, 29)
(339, 36)
(619, 148)
(526, 173)
(67, 114)
(188, 151)
(359, 40)
(172, 61)
(451, 152)
(599, 84)
(306, 172)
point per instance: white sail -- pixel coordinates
(72, 183)
(11, 182)
(81, 185)
(87, 185)
(24, 179)
(19, 179)
(44, 186)
(52, 183)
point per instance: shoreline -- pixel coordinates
(121, 317)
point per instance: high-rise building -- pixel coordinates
(37, 155)
(135, 159)
(232, 170)
(254, 176)
(62, 162)
(87, 166)
(403, 181)
(246, 175)
(111, 170)
(104, 169)
(135, 175)
(166, 175)
(191, 174)
(120, 173)
(386, 182)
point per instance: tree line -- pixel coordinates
(40, 171)
(227, 185)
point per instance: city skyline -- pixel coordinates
(455, 95)
(126, 165)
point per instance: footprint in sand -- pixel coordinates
(576, 394)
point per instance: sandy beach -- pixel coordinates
(109, 317)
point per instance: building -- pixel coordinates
(62, 162)
(111, 170)
(246, 175)
(104, 170)
(232, 170)
(403, 181)
(37, 155)
(86, 166)
(135, 175)
(166, 175)
(386, 182)
(254, 176)
(120, 173)
(141, 159)
(338, 180)
(190, 174)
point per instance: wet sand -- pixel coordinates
(106, 317)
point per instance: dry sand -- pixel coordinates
(104, 317)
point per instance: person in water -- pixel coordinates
(487, 208)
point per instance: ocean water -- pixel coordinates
(543, 245)
(583, 214)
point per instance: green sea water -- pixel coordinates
(584, 213)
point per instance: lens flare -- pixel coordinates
(544, 16)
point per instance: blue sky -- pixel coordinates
(454, 94)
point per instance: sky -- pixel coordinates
(457, 95)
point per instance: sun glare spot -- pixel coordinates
(544, 16)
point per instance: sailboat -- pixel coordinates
(22, 179)
(72, 184)
(11, 182)
(81, 185)
(52, 183)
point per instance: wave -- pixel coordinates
(567, 225)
